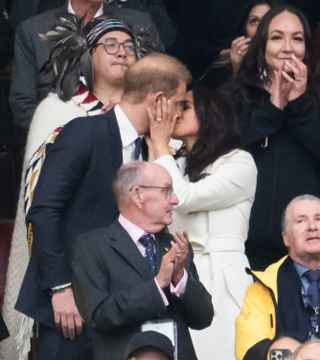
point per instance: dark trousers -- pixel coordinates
(52, 345)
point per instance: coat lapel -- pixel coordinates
(125, 246)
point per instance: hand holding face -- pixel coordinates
(239, 48)
(161, 126)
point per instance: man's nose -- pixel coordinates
(121, 51)
(174, 199)
(312, 225)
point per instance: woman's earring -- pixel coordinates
(262, 73)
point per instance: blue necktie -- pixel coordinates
(148, 242)
(313, 277)
(137, 148)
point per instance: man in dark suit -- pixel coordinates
(28, 86)
(285, 299)
(73, 195)
(122, 282)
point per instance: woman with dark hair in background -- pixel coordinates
(222, 69)
(215, 184)
(276, 101)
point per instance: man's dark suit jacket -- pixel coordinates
(27, 84)
(73, 195)
(115, 292)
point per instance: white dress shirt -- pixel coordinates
(98, 13)
(128, 135)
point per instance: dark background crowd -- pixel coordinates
(194, 32)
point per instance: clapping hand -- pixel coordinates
(172, 264)
(289, 82)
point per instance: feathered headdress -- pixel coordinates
(74, 42)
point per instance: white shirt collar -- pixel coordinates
(98, 13)
(134, 231)
(128, 133)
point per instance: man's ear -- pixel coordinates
(137, 196)
(154, 97)
(285, 238)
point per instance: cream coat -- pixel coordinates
(215, 212)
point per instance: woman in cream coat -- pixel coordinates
(215, 183)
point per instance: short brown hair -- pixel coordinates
(155, 72)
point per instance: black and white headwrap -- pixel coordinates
(97, 28)
(74, 42)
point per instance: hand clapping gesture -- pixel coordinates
(289, 82)
(172, 264)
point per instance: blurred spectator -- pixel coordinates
(222, 69)
(21, 9)
(286, 342)
(310, 350)
(215, 183)
(285, 298)
(28, 86)
(150, 345)
(276, 101)
(206, 28)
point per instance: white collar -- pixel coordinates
(98, 13)
(128, 133)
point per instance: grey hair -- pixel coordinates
(128, 175)
(284, 219)
(309, 342)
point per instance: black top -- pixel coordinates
(286, 148)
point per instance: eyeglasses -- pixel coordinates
(112, 47)
(167, 190)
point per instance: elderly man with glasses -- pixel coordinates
(133, 275)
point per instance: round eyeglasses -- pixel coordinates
(112, 47)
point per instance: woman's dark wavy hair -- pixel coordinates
(250, 71)
(250, 5)
(218, 132)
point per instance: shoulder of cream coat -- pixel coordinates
(51, 113)
(241, 155)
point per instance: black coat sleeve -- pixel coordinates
(65, 164)
(23, 93)
(304, 122)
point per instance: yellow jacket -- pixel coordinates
(257, 321)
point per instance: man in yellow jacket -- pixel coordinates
(285, 298)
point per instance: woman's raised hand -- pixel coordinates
(161, 126)
(295, 73)
(289, 82)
